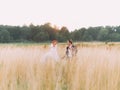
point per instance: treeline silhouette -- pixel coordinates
(46, 32)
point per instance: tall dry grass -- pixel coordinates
(94, 68)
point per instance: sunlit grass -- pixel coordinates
(96, 67)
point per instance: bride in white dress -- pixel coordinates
(52, 53)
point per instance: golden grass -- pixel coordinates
(95, 67)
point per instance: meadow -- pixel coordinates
(96, 67)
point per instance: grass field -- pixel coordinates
(96, 67)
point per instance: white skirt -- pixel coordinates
(51, 56)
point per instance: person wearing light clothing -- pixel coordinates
(52, 53)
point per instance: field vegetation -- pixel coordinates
(96, 67)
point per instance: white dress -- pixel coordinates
(52, 53)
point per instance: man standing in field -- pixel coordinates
(71, 50)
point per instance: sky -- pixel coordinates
(73, 14)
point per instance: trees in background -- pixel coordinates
(46, 32)
(108, 33)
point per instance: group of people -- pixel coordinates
(71, 51)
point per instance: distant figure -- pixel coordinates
(52, 53)
(71, 50)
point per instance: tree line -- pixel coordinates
(46, 32)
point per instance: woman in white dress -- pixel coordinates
(52, 53)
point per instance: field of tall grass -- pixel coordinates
(96, 67)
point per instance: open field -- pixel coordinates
(96, 67)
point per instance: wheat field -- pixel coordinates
(96, 67)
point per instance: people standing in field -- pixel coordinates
(52, 53)
(71, 50)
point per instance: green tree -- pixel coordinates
(50, 30)
(87, 36)
(115, 37)
(41, 36)
(104, 35)
(4, 36)
(63, 34)
(25, 34)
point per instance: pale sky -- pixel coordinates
(73, 14)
